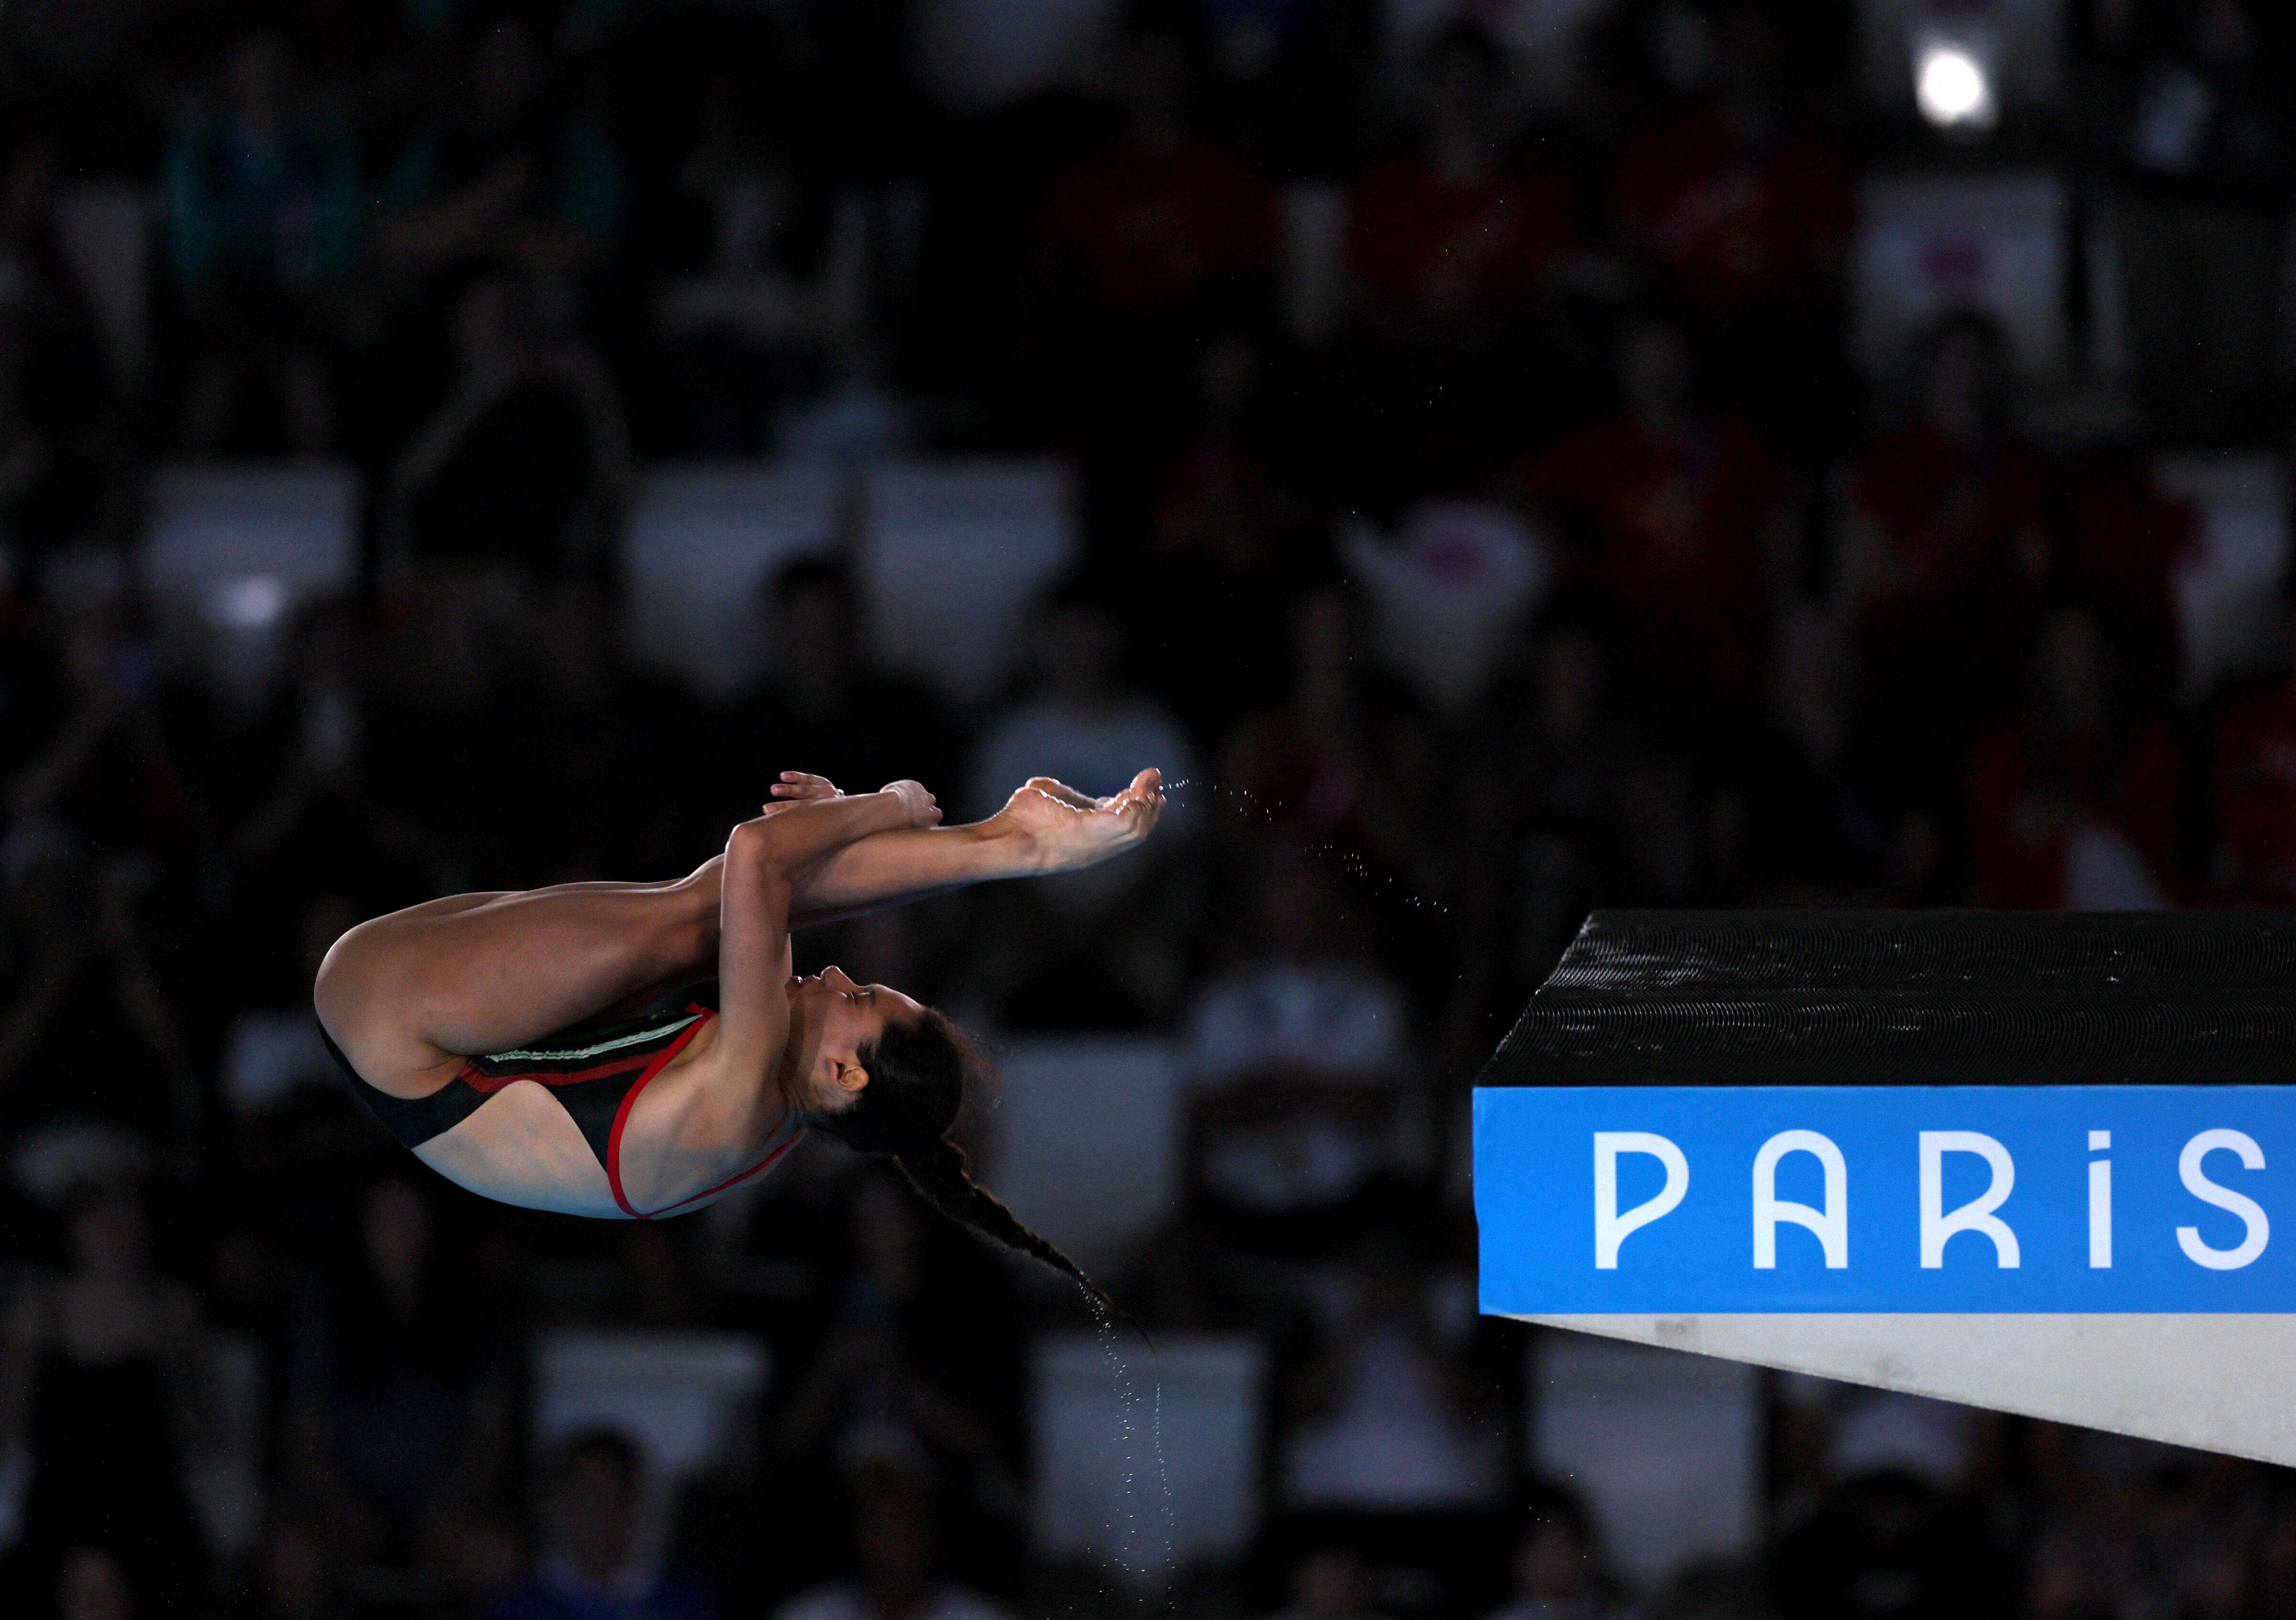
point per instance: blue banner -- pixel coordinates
(1596, 1199)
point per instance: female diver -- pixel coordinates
(567, 1048)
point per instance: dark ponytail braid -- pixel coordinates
(916, 1085)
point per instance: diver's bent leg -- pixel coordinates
(405, 995)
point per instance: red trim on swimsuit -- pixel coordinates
(622, 1114)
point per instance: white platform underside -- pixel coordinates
(2220, 1383)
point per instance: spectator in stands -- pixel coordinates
(83, 997)
(94, 1583)
(293, 1129)
(1386, 1433)
(1948, 540)
(1569, 801)
(1297, 995)
(1165, 211)
(1684, 520)
(1297, 1056)
(1345, 759)
(894, 1551)
(1329, 1583)
(1449, 242)
(96, 752)
(54, 383)
(1556, 1575)
(2253, 780)
(1451, 247)
(1054, 956)
(102, 1378)
(825, 706)
(1140, 243)
(1225, 541)
(442, 699)
(919, 1372)
(296, 781)
(594, 1568)
(2121, 540)
(2075, 803)
(587, 717)
(263, 215)
(522, 465)
(2206, 139)
(506, 177)
(1740, 205)
(1890, 1542)
(749, 313)
(398, 1420)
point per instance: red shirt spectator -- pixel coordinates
(1452, 248)
(1140, 228)
(1745, 204)
(1950, 531)
(1684, 520)
(2043, 786)
(1680, 531)
(2252, 790)
(2118, 550)
(1746, 220)
(2032, 796)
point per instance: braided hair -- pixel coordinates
(916, 1085)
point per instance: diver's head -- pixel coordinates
(884, 1074)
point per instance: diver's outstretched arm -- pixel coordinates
(1044, 827)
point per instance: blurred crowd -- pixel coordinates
(1804, 634)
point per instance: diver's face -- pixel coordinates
(837, 1017)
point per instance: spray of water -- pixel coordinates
(1143, 1548)
(1243, 801)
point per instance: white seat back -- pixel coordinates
(234, 548)
(701, 547)
(1145, 1463)
(2229, 611)
(687, 1397)
(1087, 1140)
(1930, 244)
(1447, 594)
(955, 553)
(1664, 1447)
(1315, 279)
(978, 54)
(687, 1400)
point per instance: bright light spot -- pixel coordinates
(249, 603)
(1951, 88)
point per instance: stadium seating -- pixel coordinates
(1665, 1448)
(1087, 1140)
(233, 549)
(1929, 245)
(2228, 607)
(952, 553)
(700, 549)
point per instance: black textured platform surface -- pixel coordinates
(1911, 998)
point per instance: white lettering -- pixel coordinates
(1831, 1224)
(2197, 1184)
(1976, 1215)
(1611, 1227)
(2100, 1214)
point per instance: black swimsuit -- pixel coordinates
(596, 1070)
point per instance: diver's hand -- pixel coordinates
(796, 787)
(1067, 830)
(917, 807)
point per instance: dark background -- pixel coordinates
(1503, 459)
